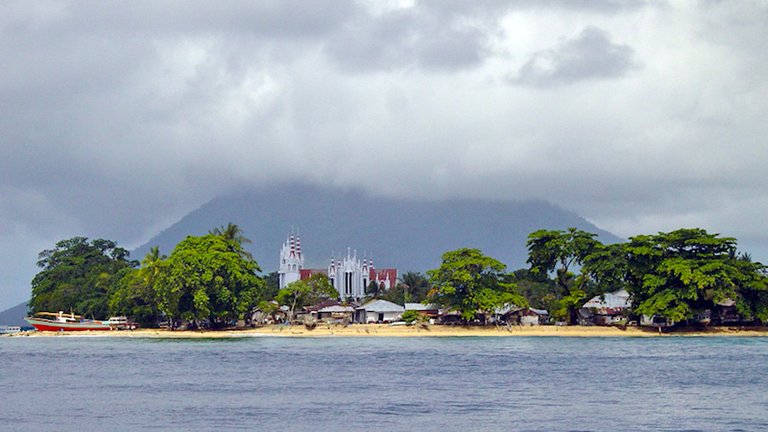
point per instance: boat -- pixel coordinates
(50, 321)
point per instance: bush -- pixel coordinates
(410, 316)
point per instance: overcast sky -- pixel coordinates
(117, 118)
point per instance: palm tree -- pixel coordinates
(151, 265)
(233, 234)
(416, 285)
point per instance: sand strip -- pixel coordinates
(384, 330)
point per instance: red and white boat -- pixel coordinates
(49, 321)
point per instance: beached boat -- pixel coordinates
(49, 321)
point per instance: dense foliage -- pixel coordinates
(411, 288)
(134, 294)
(469, 282)
(540, 290)
(560, 251)
(212, 280)
(76, 276)
(679, 274)
(306, 292)
(208, 278)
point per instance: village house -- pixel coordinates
(279, 315)
(378, 311)
(331, 311)
(525, 316)
(606, 309)
(428, 310)
(449, 317)
(726, 313)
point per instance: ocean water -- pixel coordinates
(396, 384)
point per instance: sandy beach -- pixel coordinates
(384, 330)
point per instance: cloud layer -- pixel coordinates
(120, 117)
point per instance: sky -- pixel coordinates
(118, 118)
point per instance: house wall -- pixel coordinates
(529, 320)
(373, 317)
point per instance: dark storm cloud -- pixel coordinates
(120, 117)
(589, 56)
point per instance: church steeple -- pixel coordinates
(291, 261)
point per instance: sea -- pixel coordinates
(389, 384)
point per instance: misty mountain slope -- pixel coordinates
(14, 315)
(402, 233)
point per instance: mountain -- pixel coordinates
(407, 234)
(14, 316)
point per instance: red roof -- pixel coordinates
(305, 274)
(381, 274)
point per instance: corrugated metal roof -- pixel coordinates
(420, 307)
(507, 308)
(336, 308)
(381, 306)
(512, 308)
(726, 302)
(614, 300)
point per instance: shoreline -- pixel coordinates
(385, 330)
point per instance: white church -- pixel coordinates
(349, 275)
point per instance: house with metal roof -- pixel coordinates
(527, 316)
(378, 311)
(429, 310)
(332, 311)
(605, 309)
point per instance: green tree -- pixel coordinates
(76, 276)
(272, 286)
(397, 294)
(607, 267)
(232, 233)
(269, 309)
(411, 316)
(540, 291)
(306, 292)
(415, 286)
(560, 251)
(208, 279)
(373, 290)
(678, 274)
(134, 295)
(752, 300)
(469, 282)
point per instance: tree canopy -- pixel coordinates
(305, 292)
(233, 234)
(76, 275)
(212, 280)
(560, 251)
(415, 287)
(469, 282)
(681, 273)
(133, 293)
(207, 278)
